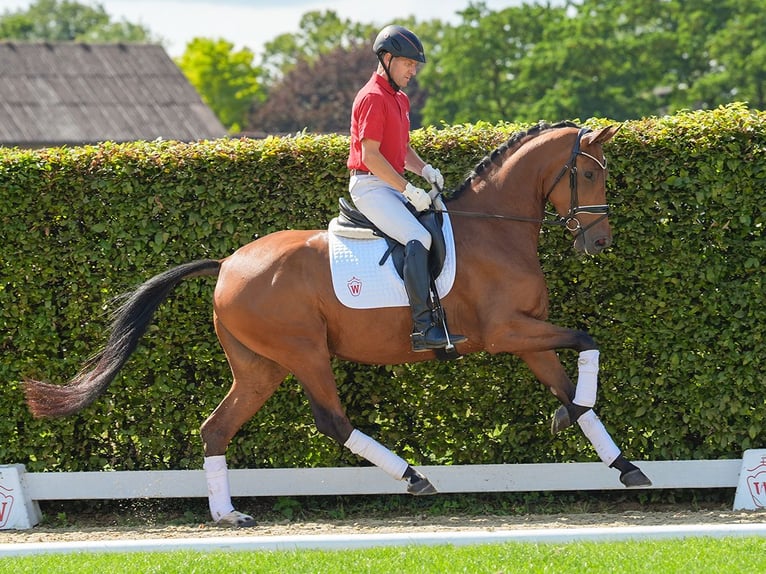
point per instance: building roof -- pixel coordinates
(73, 93)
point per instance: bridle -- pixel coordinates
(570, 220)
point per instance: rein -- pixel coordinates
(558, 220)
(569, 221)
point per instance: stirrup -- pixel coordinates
(420, 341)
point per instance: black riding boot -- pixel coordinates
(425, 333)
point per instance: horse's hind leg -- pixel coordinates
(577, 406)
(318, 380)
(255, 380)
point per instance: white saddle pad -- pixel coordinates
(361, 283)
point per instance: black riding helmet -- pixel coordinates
(400, 43)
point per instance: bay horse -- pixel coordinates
(275, 311)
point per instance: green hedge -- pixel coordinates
(676, 304)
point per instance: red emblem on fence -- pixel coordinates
(355, 286)
(756, 483)
(6, 505)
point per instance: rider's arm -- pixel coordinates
(379, 165)
(413, 162)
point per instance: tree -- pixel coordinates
(316, 96)
(688, 54)
(604, 59)
(620, 59)
(475, 73)
(533, 62)
(67, 21)
(320, 33)
(735, 67)
(316, 73)
(226, 80)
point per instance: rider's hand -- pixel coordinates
(417, 197)
(432, 176)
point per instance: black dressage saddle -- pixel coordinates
(351, 218)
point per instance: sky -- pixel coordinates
(252, 23)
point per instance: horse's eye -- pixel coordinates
(588, 175)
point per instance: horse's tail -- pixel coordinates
(131, 320)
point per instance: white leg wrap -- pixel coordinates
(217, 478)
(366, 447)
(587, 378)
(593, 428)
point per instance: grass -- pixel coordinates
(687, 556)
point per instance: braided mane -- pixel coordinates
(496, 156)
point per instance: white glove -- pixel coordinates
(417, 197)
(433, 176)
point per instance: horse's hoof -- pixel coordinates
(561, 420)
(236, 519)
(635, 479)
(420, 486)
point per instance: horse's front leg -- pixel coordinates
(575, 401)
(577, 406)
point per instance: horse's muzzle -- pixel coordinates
(591, 245)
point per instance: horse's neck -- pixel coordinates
(476, 225)
(508, 192)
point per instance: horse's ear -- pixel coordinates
(601, 135)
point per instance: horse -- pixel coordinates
(275, 311)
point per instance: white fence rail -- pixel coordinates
(21, 491)
(371, 480)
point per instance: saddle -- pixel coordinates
(352, 223)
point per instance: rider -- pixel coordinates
(380, 153)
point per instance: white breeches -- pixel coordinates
(385, 207)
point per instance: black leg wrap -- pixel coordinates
(576, 411)
(565, 416)
(623, 465)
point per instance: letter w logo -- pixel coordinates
(354, 286)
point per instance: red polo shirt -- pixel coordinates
(383, 115)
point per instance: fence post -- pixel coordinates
(17, 509)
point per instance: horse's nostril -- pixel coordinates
(603, 242)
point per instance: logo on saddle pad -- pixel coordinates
(354, 287)
(360, 282)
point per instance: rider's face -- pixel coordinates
(402, 70)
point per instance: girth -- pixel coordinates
(351, 219)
